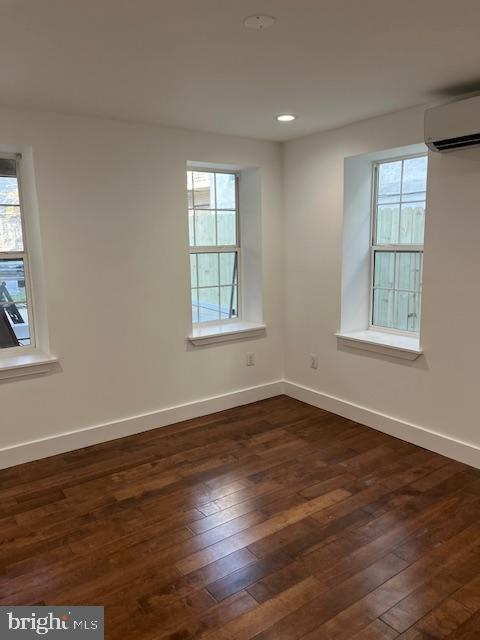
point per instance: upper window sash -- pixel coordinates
(12, 230)
(220, 197)
(398, 198)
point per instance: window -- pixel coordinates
(15, 309)
(397, 243)
(214, 244)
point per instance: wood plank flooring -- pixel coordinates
(272, 521)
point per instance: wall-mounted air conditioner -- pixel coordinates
(455, 125)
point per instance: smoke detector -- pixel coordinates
(259, 22)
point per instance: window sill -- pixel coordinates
(25, 364)
(225, 332)
(389, 344)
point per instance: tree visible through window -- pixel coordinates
(214, 244)
(15, 315)
(397, 243)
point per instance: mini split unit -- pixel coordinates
(453, 126)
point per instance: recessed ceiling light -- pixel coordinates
(285, 117)
(259, 22)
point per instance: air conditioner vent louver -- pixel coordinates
(458, 143)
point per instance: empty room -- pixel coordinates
(239, 294)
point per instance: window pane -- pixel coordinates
(397, 308)
(406, 224)
(389, 178)
(414, 175)
(383, 312)
(191, 231)
(401, 216)
(225, 183)
(193, 270)
(227, 268)
(205, 231)
(8, 167)
(407, 311)
(228, 302)
(408, 271)
(387, 224)
(418, 224)
(227, 233)
(204, 190)
(414, 312)
(14, 321)
(208, 269)
(208, 304)
(194, 305)
(8, 190)
(401, 311)
(190, 189)
(412, 223)
(11, 237)
(384, 274)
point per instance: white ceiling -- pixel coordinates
(192, 64)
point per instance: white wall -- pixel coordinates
(439, 391)
(113, 223)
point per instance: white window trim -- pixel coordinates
(363, 335)
(384, 343)
(250, 323)
(35, 358)
(225, 331)
(26, 363)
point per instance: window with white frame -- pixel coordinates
(214, 244)
(15, 301)
(399, 197)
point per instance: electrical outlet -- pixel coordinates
(313, 361)
(250, 359)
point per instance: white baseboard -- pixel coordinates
(36, 449)
(63, 442)
(445, 445)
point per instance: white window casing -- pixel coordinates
(358, 327)
(31, 354)
(241, 316)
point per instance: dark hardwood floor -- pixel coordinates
(273, 521)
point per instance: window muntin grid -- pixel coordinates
(399, 203)
(214, 244)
